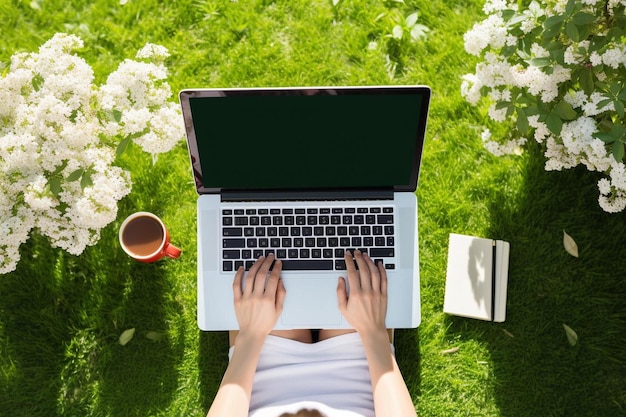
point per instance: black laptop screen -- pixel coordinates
(306, 139)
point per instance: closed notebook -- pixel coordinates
(476, 278)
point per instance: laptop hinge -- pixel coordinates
(369, 194)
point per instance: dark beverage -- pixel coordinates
(143, 236)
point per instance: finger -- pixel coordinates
(353, 274)
(364, 271)
(260, 277)
(342, 296)
(383, 278)
(374, 272)
(272, 283)
(252, 273)
(281, 293)
(237, 290)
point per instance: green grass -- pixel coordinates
(61, 315)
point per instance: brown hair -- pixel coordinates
(304, 413)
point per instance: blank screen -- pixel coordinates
(308, 141)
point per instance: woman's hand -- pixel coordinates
(366, 307)
(260, 302)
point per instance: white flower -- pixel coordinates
(490, 32)
(494, 6)
(595, 59)
(156, 52)
(614, 57)
(539, 51)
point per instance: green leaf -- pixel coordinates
(86, 180)
(540, 62)
(618, 151)
(615, 88)
(517, 19)
(502, 104)
(622, 94)
(123, 145)
(582, 18)
(551, 33)
(619, 108)
(572, 337)
(522, 121)
(570, 7)
(571, 30)
(605, 137)
(37, 82)
(586, 80)
(554, 123)
(554, 21)
(55, 185)
(59, 169)
(565, 111)
(75, 175)
(117, 115)
(603, 103)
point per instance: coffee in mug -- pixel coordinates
(144, 237)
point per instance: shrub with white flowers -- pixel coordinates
(557, 72)
(59, 136)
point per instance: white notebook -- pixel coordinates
(476, 278)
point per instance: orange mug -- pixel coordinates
(144, 237)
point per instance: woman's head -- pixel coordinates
(304, 413)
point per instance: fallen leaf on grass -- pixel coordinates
(570, 245)
(572, 337)
(508, 333)
(449, 351)
(126, 336)
(155, 336)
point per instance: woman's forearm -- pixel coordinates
(391, 396)
(233, 396)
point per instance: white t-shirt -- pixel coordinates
(331, 376)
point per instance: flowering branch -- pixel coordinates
(58, 138)
(556, 70)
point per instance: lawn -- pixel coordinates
(61, 315)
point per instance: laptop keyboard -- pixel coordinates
(307, 238)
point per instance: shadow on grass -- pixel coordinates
(536, 371)
(60, 319)
(406, 343)
(212, 362)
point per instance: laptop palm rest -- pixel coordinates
(310, 303)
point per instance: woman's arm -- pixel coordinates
(365, 310)
(258, 307)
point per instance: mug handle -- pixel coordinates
(171, 251)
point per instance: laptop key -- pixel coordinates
(382, 252)
(234, 243)
(232, 231)
(231, 254)
(384, 219)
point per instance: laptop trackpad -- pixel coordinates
(311, 303)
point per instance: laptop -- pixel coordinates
(306, 173)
